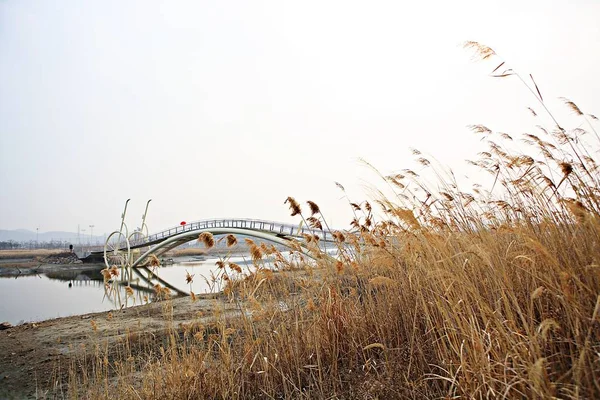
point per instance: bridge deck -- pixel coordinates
(277, 228)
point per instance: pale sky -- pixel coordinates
(225, 108)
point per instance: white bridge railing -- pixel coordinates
(249, 224)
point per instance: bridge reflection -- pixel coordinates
(142, 281)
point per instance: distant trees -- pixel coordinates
(9, 245)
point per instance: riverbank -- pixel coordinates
(27, 254)
(14, 263)
(16, 270)
(35, 357)
(39, 261)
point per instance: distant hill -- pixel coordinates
(24, 235)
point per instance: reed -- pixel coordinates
(491, 291)
(26, 253)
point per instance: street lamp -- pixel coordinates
(83, 245)
(91, 233)
(37, 232)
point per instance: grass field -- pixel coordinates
(489, 291)
(26, 253)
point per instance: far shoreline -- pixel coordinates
(36, 268)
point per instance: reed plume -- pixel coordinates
(207, 238)
(106, 274)
(231, 240)
(235, 267)
(255, 251)
(339, 236)
(294, 206)
(188, 278)
(314, 223)
(314, 208)
(154, 261)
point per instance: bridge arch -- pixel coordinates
(179, 239)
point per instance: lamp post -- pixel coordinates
(83, 245)
(37, 232)
(91, 233)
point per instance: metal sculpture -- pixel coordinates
(117, 251)
(118, 246)
(140, 235)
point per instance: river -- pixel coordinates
(71, 291)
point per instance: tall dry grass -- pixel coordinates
(486, 292)
(27, 253)
(186, 252)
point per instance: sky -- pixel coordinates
(224, 108)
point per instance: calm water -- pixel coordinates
(65, 293)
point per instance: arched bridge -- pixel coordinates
(277, 232)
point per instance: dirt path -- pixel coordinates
(34, 356)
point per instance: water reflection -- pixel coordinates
(76, 276)
(72, 292)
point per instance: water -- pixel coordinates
(72, 292)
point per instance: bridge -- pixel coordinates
(168, 239)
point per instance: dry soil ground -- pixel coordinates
(35, 357)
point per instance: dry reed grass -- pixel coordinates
(191, 251)
(26, 253)
(455, 294)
